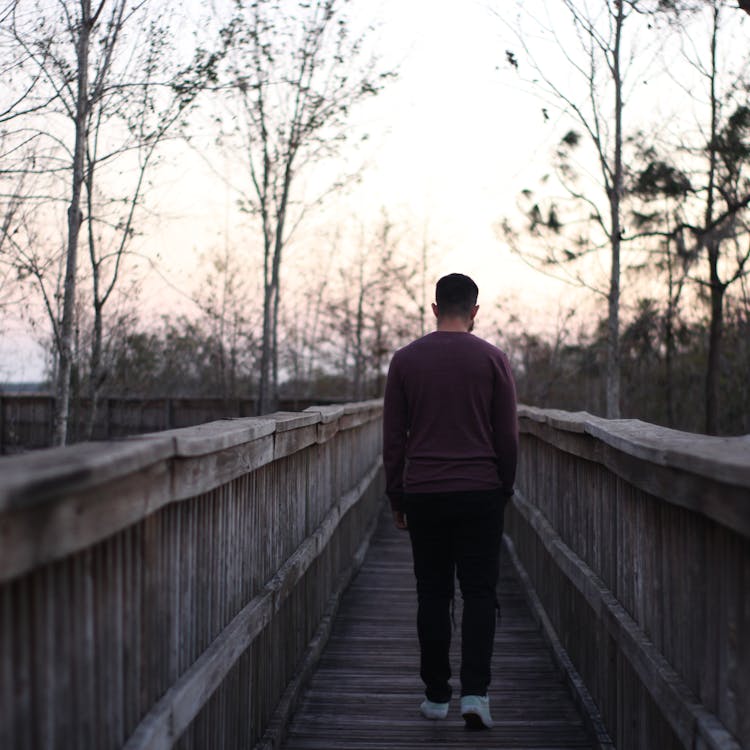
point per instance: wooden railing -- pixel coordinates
(172, 589)
(26, 419)
(634, 542)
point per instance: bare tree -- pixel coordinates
(661, 193)
(229, 304)
(595, 66)
(297, 70)
(144, 101)
(377, 308)
(106, 71)
(722, 233)
(711, 181)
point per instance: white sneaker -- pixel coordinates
(476, 711)
(432, 710)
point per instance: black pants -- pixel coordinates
(456, 532)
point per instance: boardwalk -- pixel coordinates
(170, 590)
(366, 690)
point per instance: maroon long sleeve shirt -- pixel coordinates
(449, 421)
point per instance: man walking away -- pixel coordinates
(450, 441)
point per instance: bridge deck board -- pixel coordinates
(366, 690)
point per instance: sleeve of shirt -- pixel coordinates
(395, 428)
(505, 424)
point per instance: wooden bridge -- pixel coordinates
(238, 585)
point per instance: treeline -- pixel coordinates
(646, 203)
(334, 341)
(646, 194)
(568, 372)
(345, 357)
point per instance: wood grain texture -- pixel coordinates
(366, 691)
(127, 598)
(690, 720)
(725, 459)
(589, 710)
(40, 477)
(716, 498)
(58, 501)
(641, 569)
(215, 436)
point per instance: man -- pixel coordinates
(450, 440)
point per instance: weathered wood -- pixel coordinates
(327, 413)
(36, 478)
(726, 459)
(589, 710)
(690, 720)
(360, 413)
(277, 727)
(215, 436)
(197, 474)
(636, 540)
(366, 690)
(71, 522)
(330, 417)
(715, 498)
(120, 594)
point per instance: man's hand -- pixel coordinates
(399, 519)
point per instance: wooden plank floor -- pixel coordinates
(366, 690)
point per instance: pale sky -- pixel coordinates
(452, 142)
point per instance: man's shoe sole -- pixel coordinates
(474, 722)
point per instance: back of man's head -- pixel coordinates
(455, 296)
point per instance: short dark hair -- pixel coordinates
(455, 295)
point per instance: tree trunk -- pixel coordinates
(275, 350)
(359, 357)
(713, 369)
(669, 361)
(264, 386)
(712, 251)
(95, 358)
(65, 354)
(96, 376)
(613, 318)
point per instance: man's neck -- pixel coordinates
(453, 325)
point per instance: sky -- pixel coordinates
(452, 143)
(451, 140)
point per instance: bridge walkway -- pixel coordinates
(366, 690)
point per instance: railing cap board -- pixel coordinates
(34, 478)
(327, 413)
(40, 476)
(211, 437)
(363, 406)
(556, 418)
(291, 420)
(725, 459)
